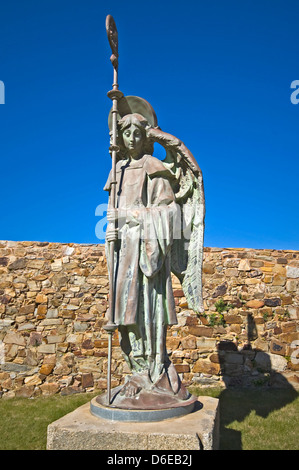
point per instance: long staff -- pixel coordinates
(114, 95)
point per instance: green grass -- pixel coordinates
(24, 421)
(265, 419)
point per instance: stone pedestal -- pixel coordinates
(81, 430)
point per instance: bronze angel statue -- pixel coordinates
(157, 228)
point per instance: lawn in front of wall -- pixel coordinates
(263, 419)
(24, 421)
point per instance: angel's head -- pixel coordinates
(132, 136)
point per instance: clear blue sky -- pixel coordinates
(218, 74)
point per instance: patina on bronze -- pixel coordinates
(156, 226)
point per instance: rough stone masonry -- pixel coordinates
(53, 299)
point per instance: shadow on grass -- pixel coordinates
(237, 404)
(272, 391)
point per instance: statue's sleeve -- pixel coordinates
(157, 225)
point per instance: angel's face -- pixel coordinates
(133, 139)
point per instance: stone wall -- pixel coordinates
(53, 299)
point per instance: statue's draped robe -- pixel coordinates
(144, 302)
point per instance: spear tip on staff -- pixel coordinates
(113, 39)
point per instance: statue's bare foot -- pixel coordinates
(131, 389)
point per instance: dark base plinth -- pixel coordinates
(129, 411)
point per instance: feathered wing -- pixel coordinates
(187, 248)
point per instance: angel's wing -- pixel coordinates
(187, 248)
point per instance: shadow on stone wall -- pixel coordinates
(248, 369)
